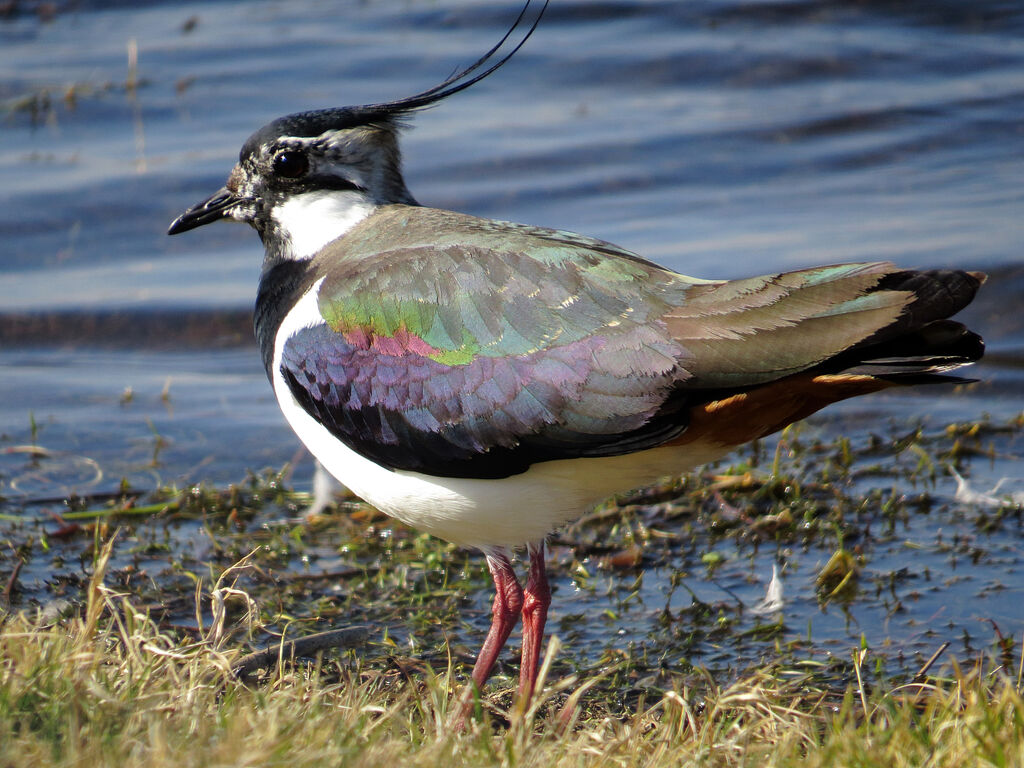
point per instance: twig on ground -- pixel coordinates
(288, 650)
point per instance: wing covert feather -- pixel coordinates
(465, 347)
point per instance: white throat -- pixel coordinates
(309, 221)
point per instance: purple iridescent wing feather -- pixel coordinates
(465, 347)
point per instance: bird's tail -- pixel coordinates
(922, 345)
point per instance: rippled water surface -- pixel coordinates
(719, 138)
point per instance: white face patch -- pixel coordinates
(309, 221)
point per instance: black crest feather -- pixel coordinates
(315, 122)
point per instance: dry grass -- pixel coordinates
(110, 688)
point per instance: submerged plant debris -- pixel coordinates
(797, 551)
(109, 687)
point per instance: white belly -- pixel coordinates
(506, 512)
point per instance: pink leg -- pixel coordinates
(537, 598)
(508, 604)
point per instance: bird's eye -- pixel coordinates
(290, 164)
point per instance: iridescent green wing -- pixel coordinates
(464, 347)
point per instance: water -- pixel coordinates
(719, 138)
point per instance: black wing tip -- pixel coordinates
(926, 353)
(937, 293)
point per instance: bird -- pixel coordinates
(487, 381)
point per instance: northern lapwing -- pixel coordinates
(486, 381)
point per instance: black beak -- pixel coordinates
(217, 206)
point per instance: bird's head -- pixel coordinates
(305, 179)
